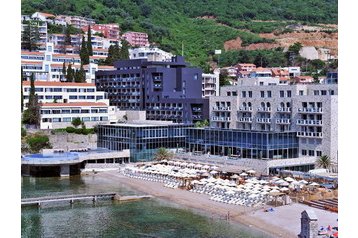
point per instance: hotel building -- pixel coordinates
(310, 111)
(210, 85)
(169, 91)
(149, 53)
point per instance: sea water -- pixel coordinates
(145, 218)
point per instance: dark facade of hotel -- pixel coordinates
(144, 140)
(167, 91)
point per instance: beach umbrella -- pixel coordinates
(235, 176)
(263, 182)
(285, 184)
(313, 184)
(214, 167)
(214, 172)
(198, 166)
(230, 192)
(243, 174)
(206, 167)
(251, 171)
(164, 160)
(284, 189)
(274, 191)
(303, 181)
(289, 179)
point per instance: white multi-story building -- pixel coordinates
(150, 53)
(41, 25)
(210, 85)
(309, 110)
(47, 65)
(62, 92)
(75, 21)
(62, 102)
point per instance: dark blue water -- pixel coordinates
(146, 218)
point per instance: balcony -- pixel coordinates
(245, 109)
(310, 110)
(302, 122)
(221, 108)
(196, 109)
(284, 109)
(220, 118)
(283, 121)
(263, 120)
(310, 134)
(264, 109)
(245, 119)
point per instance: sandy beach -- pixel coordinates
(283, 222)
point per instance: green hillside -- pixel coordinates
(174, 24)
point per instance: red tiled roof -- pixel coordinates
(244, 72)
(31, 53)
(246, 64)
(260, 69)
(46, 14)
(98, 56)
(105, 67)
(75, 104)
(63, 84)
(31, 62)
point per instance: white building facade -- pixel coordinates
(210, 85)
(309, 110)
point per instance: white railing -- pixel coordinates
(284, 109)
(283, 121)
(263, 120)
(309, 134)
(245, 109)
(221, 108)
(221, 118)
(309, 122)
(312, 109)
(264, 109)
(245, 119)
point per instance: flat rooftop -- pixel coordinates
(147, 123)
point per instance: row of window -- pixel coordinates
(73, 111)
(69, 119)
(37, 89)
(311, 152)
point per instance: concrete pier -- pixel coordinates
(65, 170)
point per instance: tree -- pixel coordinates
(84, 52)
(204, 123)
(295, 48)
(163, 154)
(261, 60)
(22, 94)
(38, 142)
(223, 78)
(82, 74)
(70, 73)
(124, 53)
(32, 114)
(89, 42)
(67, 37)
(30, 35)
(76, 122)
(324, 162)
(63, 71)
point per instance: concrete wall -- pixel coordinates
(73, 141)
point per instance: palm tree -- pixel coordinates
(163, 154)
(324, 162)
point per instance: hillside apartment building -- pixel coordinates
(136, 39)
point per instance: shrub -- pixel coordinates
(23, 132)
(38, 142)
(70, 129)
(76, 122)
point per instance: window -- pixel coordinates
(56, 119)
(66, 111)
(323, 92)
(195, 76)
(311, 152)
(48, 97)
(75, 111)
(300, 92)
(85, 111)
(81, 97)
(57, 90)
(243, 94)
(288, 94)
(282, 94)
(316, 92)
(304, 152)
(234, 93)
(94, 119)
(57, 97)
(269, 94)
(67, 119)
(72, 97)
(250, 94)
(99, 97)
(228, 93)
(261, 83)
(90, 90)
(332, 92)
(86, 118)
(262, 94)
(94, 111)
(90, 97)
(318, 153)
(72, 90)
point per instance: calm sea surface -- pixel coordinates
(146, 218)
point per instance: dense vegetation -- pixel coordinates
(173, 24)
